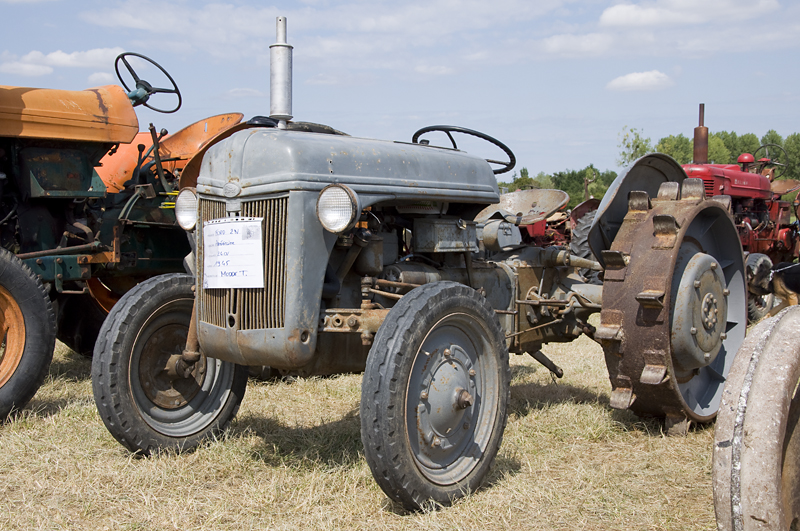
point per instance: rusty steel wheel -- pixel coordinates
(756, 471)
(145, 403)
(27, 333)
(434, 395)
(674, 304)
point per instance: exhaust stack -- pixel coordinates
(280, 76)
(701, 139)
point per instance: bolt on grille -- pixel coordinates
(254, 308)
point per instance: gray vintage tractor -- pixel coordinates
(320, 253)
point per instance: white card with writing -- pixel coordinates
(233, 253)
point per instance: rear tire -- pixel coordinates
(27, 333)
(756, 466)
(758, 306)
(579, 245)
(142, 406)
(434, 395)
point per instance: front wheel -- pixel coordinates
(144, 405)
(434, 395)
(27, 333)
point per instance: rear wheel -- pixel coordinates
(27, 333)
(756, 470)
(145, 405)
(434, 395)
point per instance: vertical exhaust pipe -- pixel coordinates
(701, 139)
(280, 76)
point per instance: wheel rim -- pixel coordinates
(176, 407)
(12, 335)
(452, 399)
(712, 337)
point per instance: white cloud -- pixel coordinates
(101, 78)
(99, 57)
(24, 69)
(434, 70)
(578, 45)
(640, 81)
(238, 93)
(684, 12)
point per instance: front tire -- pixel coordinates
(144, 407)
(434, 395)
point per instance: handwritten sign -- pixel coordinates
(234, 253)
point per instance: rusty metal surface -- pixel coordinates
(756, 466)
(784, 186)
(643, 350)
(102, 114)
(531, 205)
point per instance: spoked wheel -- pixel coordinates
(756, 471)
(673, 304)
(434, 395)
(27, 333)
(146, 403)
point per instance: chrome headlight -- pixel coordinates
(338, 208)
(186, 208)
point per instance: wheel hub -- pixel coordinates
(446, 405)
(700, 314)
(12, 335)
(156, 371)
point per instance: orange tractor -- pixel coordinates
(86, 212)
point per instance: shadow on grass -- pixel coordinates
(331, 445)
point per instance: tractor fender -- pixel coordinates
(645, 174)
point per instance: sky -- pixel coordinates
(555, 80)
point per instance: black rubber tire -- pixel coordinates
(21, 376)
(758, 306)
(156, 314)
(434, 315)
(579, 245)
(756, 459)
(80, 318)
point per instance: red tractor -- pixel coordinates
(763, 219)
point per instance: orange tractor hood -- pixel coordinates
(101, 114)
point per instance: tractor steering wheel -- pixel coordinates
(446, 129)
(773, 161)
(144, 90)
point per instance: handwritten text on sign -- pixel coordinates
(234, 254)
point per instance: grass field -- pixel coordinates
(293, 459)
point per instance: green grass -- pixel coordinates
(293, 460)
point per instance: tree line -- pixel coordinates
(724, 147)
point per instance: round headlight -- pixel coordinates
(186, 208)
(338, 208)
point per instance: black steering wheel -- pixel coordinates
(446, 129)
(778, 154)
(149, 90)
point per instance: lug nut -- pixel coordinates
(472, 372)
(726, 292)
(697, 283)
(447, 353)
(713, 266)
(424, 395)
(723, 336)
(437, 441)
(464, 399)
(693, 331)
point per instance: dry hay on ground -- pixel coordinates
(293, 460)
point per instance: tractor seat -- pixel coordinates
(100, 114)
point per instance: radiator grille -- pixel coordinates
(709, 186)
(256, 308)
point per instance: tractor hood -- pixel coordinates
(101, 114)
(268, 160)
(645, 174)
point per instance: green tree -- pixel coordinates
(792, 147)
(632, 145)
(678, 147)
(543, 181)
(772, 137)
(522, 181)
(717, 152)
(748, 143)
(731, 141)
(571, 181)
